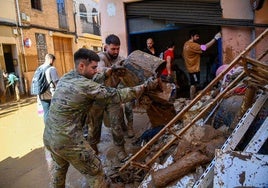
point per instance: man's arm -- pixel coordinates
(168, 66)
(211, 42)
(53, 75)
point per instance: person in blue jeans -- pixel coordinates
(52, 78)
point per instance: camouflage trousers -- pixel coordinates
(81, 156)
(115, 120)
(128, 111)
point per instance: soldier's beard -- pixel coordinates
(113, 56)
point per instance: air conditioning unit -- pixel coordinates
(28, 18)
(25, 17)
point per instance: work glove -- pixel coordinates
(168, 79)
(150, 84)
(217, 36)
(119, 70)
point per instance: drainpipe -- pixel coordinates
(75, 24)
(75, 29)
(22, 49)
(253, 37)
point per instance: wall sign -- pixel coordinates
(111, 9)
(27, 43)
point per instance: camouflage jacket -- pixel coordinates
(71, 102)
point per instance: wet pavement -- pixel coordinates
(22, 157)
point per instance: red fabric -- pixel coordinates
(240, 90)
(166, 54)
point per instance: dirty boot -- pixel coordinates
(95, 148)
(192, 92)
(130, 131)
(121, 154)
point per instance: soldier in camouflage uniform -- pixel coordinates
(63, 134)
(114, 112)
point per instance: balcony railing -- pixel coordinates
(90, 28)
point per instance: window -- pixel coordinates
(41, 46)
(83, 12)
(95, 21)
(62, 14)
(36, 4)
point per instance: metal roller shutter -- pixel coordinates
(183, 12)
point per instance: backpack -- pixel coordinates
(39, 81)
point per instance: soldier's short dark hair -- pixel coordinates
(85, 54)
(112, 39)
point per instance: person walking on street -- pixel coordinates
(75, 94)
(52, 78)
(191, 54)
(113, 112)
(13, 81)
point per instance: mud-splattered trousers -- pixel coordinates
(112, 115)
(113, 118)
(63, 134)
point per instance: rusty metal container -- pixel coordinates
(142, 66)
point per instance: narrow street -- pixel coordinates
(22, 157)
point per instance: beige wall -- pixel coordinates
(8, 11)
(89, 41)
(113, 21)
(236, 9)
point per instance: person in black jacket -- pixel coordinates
(150, 49)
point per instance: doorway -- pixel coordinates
(7, 49)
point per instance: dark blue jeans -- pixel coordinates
(45, 105)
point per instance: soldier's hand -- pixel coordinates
(150, 84)
(119, 70)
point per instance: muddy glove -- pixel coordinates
(217, 36)
(119, 70)
(170, 79)
(150, 84)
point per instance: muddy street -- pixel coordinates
(23, 162)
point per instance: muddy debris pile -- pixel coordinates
(184, 134)
(196, 148)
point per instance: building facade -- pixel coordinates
(9, 42)
(240, 22)
(31, 29)
(87, 21)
